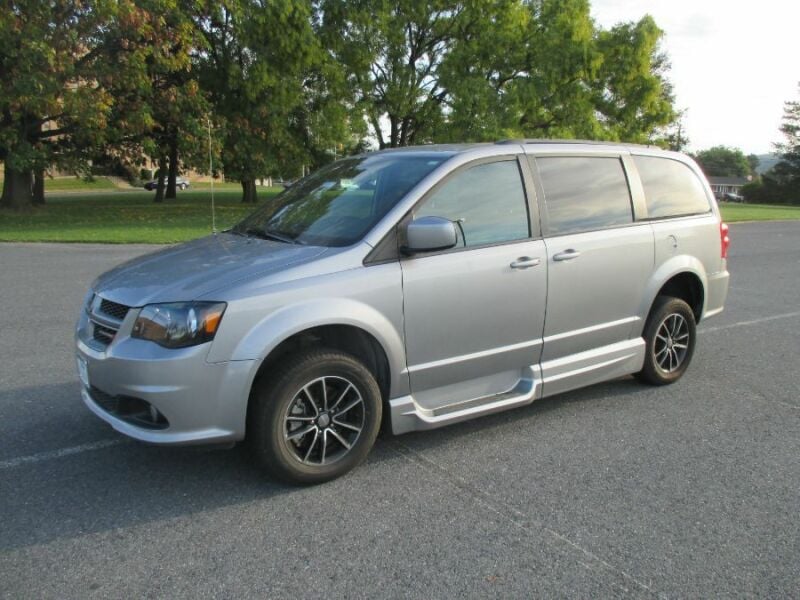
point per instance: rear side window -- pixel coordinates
(584, 193)
(671, 188)
(487, 201)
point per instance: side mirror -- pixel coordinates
(427, 234)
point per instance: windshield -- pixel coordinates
(340, 203)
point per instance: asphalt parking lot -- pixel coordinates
(618, 489)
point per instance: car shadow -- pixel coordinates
(612, 390)
(129, 484)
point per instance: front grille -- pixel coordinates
(103, 334)
(106, 317)
(113, 310)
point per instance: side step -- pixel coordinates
(408, 416)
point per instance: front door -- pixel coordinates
(474, 314)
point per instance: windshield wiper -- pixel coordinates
(269, 234)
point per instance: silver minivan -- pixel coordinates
(415, 287)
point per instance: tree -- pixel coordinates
(721, 161)
(633, 97)
(781, 184)
(550, 72)
(159, 108)
(402, 59)
(53, 109)
(533, 82)
(675, 137)
(754, 162)
(271, 85)
(478, 70)
(788, 168)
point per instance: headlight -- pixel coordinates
(179, 325)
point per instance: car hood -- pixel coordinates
(189, 271)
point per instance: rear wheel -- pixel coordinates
(317, 418)
(670, 335)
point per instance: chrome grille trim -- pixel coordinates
(106, 318)
(104, 321)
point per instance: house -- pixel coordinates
(727, 185)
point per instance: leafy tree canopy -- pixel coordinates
(288, 83)
(447, 70)
(781, 184)
(789, 149)
(721, 161)
(159, 108)
(276, 94)
(52, 107)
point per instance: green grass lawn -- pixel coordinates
(218, 185)
(126, 217)
(133, 217)
(75, 184)
(732, 213)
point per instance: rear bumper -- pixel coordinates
(197, 402)
(716, 293)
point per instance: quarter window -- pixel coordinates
(487, 202)
(671, 188)
(584, 193)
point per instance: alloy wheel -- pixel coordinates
(324, 420)
(671, 343)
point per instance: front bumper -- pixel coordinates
(197, 401)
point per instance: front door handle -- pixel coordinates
(567, 255)
(525, 262)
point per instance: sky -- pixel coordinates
(734, 64)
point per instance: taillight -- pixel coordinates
(724, 240)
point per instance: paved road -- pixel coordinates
(690, 490)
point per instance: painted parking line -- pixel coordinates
(750, 322)
(42, 456)
(54, 454)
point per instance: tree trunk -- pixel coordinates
(38, 187)
(162, 172)
(173, 169)
(249, 194)
(393, 132)
(17, 189)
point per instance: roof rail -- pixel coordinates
(556, 141)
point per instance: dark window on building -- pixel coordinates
(671, 188)
(584, 193)
(487, 201)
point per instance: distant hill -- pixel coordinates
(766, 162)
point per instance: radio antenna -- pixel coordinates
(211, 172)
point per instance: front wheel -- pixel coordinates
(670, 335)
(317, 418)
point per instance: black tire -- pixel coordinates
(281, 407)
(183, 186)
(666, 360)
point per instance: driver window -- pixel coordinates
(487, 202)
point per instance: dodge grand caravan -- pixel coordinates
(418, 287)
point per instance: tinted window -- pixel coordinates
(340, 203)
(488, 201)
(670, 188)
(584, 193)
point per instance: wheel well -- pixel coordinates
(345, 338)
(687, 287)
